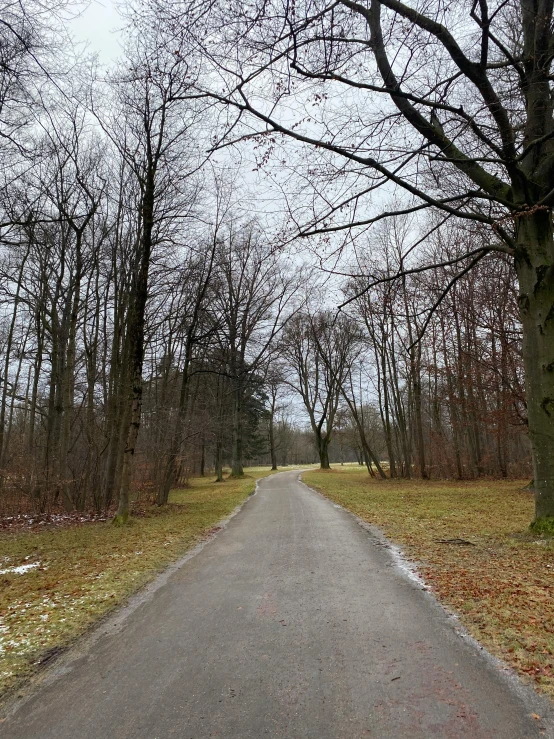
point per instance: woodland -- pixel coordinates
(276, 233)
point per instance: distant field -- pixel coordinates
(56, 583)
(501, 583)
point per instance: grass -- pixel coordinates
(82, 572)
(502, 587)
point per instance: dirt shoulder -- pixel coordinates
(473, 547)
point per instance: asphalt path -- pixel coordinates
(293, 622)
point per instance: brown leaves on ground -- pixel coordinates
(502, 588)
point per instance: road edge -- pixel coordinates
(48, 672)
(407, 569)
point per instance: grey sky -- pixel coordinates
(97, 27)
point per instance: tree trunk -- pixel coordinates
(323, 451)
(368, 454)
(236, 462)
(418, 420)
(124, 508)
(8, 435)
(116, 406)
(176, 441)
(8, 359)
(218, 463)
(535, 270)
(136, 344)
(203, 456)
(37, 366)
(272, 443)
(384, 407)
(67, 384)
(452, 405)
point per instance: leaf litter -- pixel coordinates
(500, 584)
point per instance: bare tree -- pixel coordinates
(253, 298)
(191, 315)
(318, 351)
(152, 90)
(274, 383)
(473, 137)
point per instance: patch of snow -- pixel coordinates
(408, 569)
(19, 570)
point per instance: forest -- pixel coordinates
(276, 369)
(278, 235)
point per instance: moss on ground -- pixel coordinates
(78, 574)
(502, 588)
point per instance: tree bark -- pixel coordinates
(367, 451)
(237, 469)
(203, 456)
(177, 439)
(418, 420)
(272, 451)
(136, 345)
(324, 457)
(535, 270)
(322, 443)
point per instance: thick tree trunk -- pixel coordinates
(324, 458)
(535, 270)
(323, 451)
(136, 352)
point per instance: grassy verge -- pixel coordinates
(78, 574)
(501, 585)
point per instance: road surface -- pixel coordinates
(293, 622)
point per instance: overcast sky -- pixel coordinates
(97, 27)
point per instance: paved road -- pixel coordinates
(293, 623)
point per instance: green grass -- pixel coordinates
(87, 570)
(502, 587)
